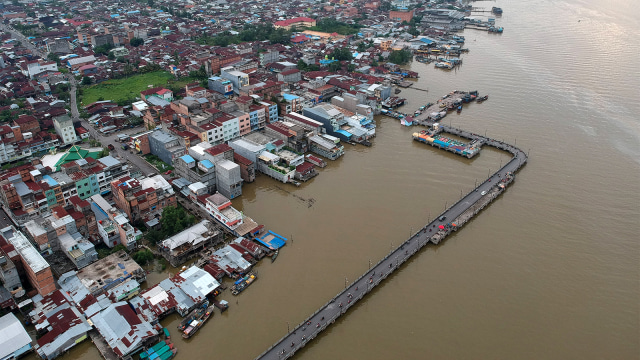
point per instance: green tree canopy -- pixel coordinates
(400, 56)
(341, 54)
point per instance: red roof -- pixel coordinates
(289, 72)
(293, 21)
(218, 149)
(239, 159)
(305, 167)
(299, 39)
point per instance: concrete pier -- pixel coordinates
(434, 232)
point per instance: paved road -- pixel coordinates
(135, 160)
(328, 313)
(23, 40)
(5, 220)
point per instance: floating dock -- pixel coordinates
(437, 139)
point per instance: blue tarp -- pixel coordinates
(344, 133)
(276, 241)
(426, 41)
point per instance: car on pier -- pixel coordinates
(483, 193)
(442, 218)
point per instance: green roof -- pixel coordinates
(76, 153)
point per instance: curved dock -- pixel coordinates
(453, 219)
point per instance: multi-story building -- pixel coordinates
(295, 23)
(271, 110)
(143, 198)
(35, 266)
(64, 128)
(165, 146)
(202, 171)
(401, 16)
(230, 126)
(223, 86)
(228, 179)
(238, 79)
(269, 56)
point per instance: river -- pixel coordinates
(548, 271)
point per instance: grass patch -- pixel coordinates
(126, 88)
(158, 163)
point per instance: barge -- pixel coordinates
(197, 323)
(163, 350)
(241, 284)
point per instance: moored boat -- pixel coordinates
(240, 285)
(197, 323)
(482, 98)
(194, 315)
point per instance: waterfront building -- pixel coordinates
(180, 247)
(124, 331)
(59, 324)
(14, 339)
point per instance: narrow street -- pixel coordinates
(135, 160)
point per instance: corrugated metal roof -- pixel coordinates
(13, 336)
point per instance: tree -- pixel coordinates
(54, 57)
(400, 57)
(341, 54)
(302, 66)
(150, 3)
(143, 257)
(135, 42)
(335, 66)
(111, 56)
(351, 68)
(86, 80)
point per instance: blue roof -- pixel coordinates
(344, 133)
(426, 41)
(187, 158)
(276, 242)
(289, 96)
(206, 163)
(115, 15)
(49, 180)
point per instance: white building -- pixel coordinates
(64, 128)
(238, 78)
(37, 67)
(230, 128)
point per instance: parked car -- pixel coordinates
(168, 172)
(111, 147)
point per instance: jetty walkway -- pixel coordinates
(435, 231)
